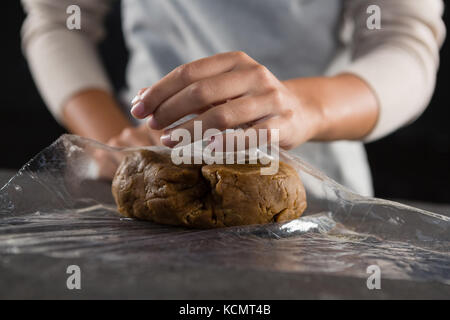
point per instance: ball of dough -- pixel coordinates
(148, 186)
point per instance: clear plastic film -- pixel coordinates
(57, 206)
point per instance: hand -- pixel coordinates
(108, 161)
(94, 114)
(136, 137)
(228, 90)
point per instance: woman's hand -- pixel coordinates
(140, 136)
(232, 90)
(136, 137)
(227, 91)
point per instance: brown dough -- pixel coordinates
(148, 186)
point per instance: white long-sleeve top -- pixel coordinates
(293, 38)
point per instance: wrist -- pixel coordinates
(311, 106)
(94, 114)
(343, 107)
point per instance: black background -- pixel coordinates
(413, 163)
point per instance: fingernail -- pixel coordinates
(145, 93)
(135, 99)
(165, 139)
(138, 110)
(152, 123)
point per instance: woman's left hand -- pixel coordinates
(139, 136)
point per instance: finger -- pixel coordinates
(116, 142)
(265, 131)
(201, 94)
(231, 114)
(155, 137)
(133, 137)
(107, 168)
(262, 134)
(271, 131)
(106, 162)
(128, 138)
(185, 75)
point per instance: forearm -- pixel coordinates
(399, 61)
(64, 62)
(94, 114)
(347, 107)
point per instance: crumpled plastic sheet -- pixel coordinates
(56, 206)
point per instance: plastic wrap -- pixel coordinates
(56, 206)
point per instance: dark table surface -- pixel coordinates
(44, 277)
